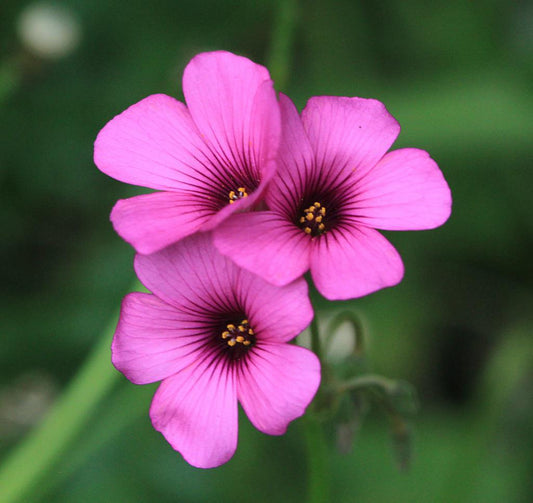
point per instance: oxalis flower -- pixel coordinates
(215, 335)
(335, 185)
(209, 159)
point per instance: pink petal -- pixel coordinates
(296, 164)
(348, 133)
(404, 191)
(153, 340)
(193, 276)
(196, 411)
(277, 384)
(152, 221)
(260, 154)
(354, 261)
(233, 103)
(266, 244)
(155, 144)
(189, 273)
(264, 130)
(276, 314)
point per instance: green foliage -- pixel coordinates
(457, 76)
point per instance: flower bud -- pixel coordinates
(48, 31)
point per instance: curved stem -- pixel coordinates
(31, 460)
(366, 381)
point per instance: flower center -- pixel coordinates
(240, 193)
(312, 221)
(238, 338)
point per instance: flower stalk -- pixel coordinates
(316, 447)
(33, 458)
(317, 460)
(317, 452)
(279, 54)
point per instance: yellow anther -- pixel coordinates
(235, 196)
(312, 221)
(234, 335)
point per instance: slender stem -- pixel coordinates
(317, 453)
(31, 460)
(317, 459)
(279, 54)
(127, 404)
(316, 344)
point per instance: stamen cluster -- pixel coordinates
(236, 195)
(238, 339)
(312, 220)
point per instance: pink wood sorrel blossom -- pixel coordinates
(215, 335)
(335, 185)
(217, 150)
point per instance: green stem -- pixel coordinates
(279, 54)
(316, 345)
(127, 404)
(32, 459)
(317, 460)
(317, 452)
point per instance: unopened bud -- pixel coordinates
(48, 31)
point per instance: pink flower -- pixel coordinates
(335, 185)
(217, 150)
(215, 335)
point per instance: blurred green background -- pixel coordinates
(458, 77)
